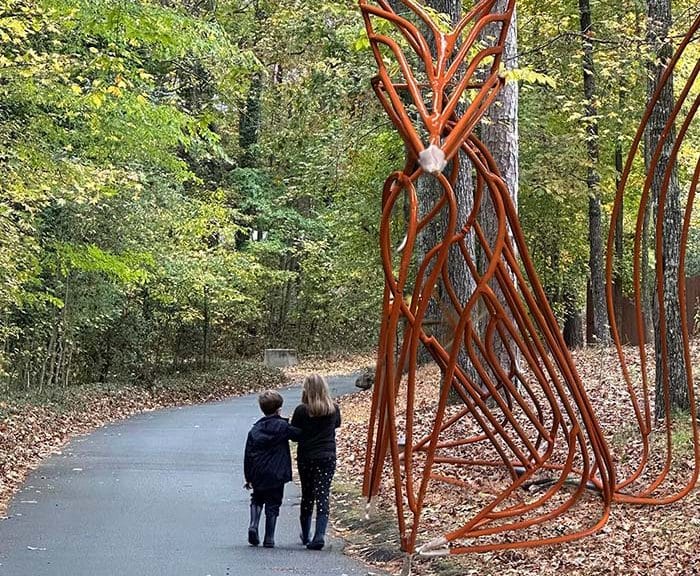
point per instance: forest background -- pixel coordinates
(189, 181)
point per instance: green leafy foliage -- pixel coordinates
(554, 130)
(116, 244)
(183, 181)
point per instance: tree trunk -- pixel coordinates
(249, 122)
(599, 332)
(500, 135)
(501, 138)
(429, 193)
(618, 293)
(206, 329)
(500, 132)
(672, 372)
(573, 323)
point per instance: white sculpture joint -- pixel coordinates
(432, 159)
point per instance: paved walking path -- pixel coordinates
(159, 494)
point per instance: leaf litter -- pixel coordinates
(637, 540)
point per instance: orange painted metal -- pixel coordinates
(522, 424)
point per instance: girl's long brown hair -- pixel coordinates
(316, 396)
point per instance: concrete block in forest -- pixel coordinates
(280, 357)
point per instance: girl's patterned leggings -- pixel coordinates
(316, 477)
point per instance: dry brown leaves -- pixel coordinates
(638, 540)
(332, 366)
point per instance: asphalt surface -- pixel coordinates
(159, 494)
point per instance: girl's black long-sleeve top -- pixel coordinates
(317, 438)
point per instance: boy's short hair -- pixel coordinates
(270, 401)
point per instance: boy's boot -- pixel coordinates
(319, 536)
(255, 511)
(270, 523)
(305, 521)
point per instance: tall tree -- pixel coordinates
(459, 276)
(500, 131)
(672, 372)
(599, 330)
(500, 134)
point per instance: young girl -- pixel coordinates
(317, 417)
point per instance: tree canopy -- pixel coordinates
(186, 180)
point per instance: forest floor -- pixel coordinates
(637, 540)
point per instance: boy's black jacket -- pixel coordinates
(268, 461)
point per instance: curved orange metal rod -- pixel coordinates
(522, 415)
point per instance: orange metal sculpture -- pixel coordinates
(522, 424)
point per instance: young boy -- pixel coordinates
(267, 465)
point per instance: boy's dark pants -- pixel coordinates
(271, 499)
